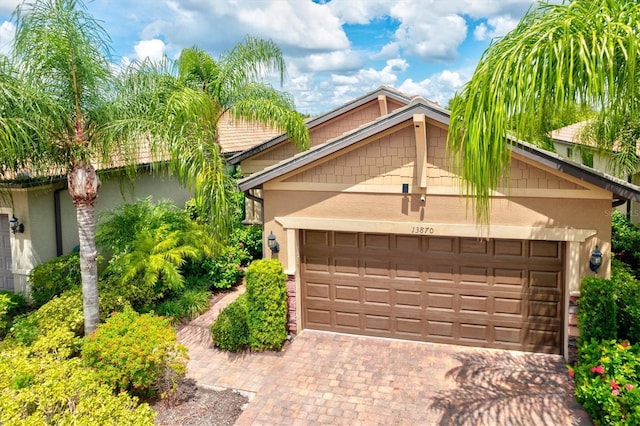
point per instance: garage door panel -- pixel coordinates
(345, 265)
(507, 306)
(376, 241)
(317, 290)
(347, 319)
(441, 245)
(377, 295)
(469, 303)
(544, 249)
(317, 264)
(347, 293)
(408, 298)
(317, 238)
(346, 239)
(376, 268)
(547, 279)
(377, 322)
(318, 317)
(487, 293)
(508, 248)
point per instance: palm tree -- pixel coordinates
(581, 51)
(233, 83)
(65, 110)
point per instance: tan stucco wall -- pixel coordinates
(114, 192)
(521, 212)
(34, 207)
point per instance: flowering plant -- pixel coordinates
(607, 381)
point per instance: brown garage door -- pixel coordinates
(503, 294)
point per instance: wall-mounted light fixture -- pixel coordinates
(15, 225)
(596, 260)
(272, 243)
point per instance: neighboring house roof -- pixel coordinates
(236, 136)
(570, 133)
(233, 136)
(617, 186)
(323, 118)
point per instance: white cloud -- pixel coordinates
(439, 87)
(339, 60)
(360, 11)
(7, 34)
(153, 49)
(497, 27)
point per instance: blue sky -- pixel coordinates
(335, 50)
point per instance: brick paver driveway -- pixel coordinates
(325, 378)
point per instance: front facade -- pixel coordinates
(377, 239)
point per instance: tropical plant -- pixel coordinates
(234, 85)
(64, 110)
(581, 51)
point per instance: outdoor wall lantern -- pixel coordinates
(596, 260)
(15, 225)
(272, 243)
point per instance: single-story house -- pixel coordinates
(377, 238)
(47, 225)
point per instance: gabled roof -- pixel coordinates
(618, 187)
(323, 118)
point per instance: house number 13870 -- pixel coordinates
(422, 230)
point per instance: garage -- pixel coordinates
(494, 293)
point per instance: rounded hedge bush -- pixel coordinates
(230, 331)
(266, 285)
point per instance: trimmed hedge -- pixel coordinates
(597, 313)
(230, 331)
(267, 304)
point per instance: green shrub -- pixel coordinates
(627, 292)
(24, 329)
(194, 302)
(597, 313)
(10, 305)
(250, 238)
(172, 310)
(607, 382)
(230, 331)
(39, 389)
(136, 353)
(266, 304)
(52, 278)
(62, 312)
(625, 241)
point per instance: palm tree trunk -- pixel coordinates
(83, 188)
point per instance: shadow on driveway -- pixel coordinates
(499, 388)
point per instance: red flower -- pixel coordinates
(615, 392)
(241, 244)
(614, 385)
(599, 369)
(571, 373)
(629, 387)
(624, 344)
